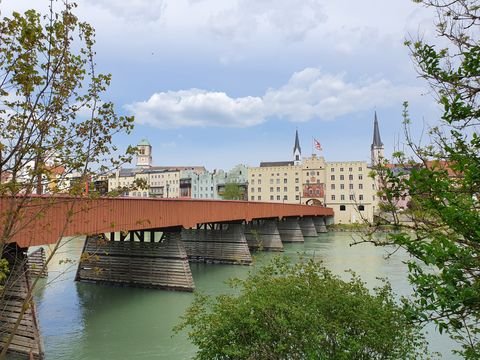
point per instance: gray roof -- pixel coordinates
(377, 142)
(276, 163)
(297, 143)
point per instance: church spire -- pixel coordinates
(376, 133)
(297, 151)
(377, 145)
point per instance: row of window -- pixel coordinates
(350, 197)
(360, 207)
(162, 176)
(272, 198)
(350, 177)
(350, 186)
(350, 169)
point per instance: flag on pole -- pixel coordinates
(317, 144)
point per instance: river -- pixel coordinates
(89, 321)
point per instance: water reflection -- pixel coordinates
(88, 321)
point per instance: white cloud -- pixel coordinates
(195, 107)
(137, 10)
(293, 19)
(309, 94)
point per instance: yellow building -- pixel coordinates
(344, 186)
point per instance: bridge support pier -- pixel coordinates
(219, 244)
(289, 230)
(319, 222)
(308, 227)
(263, 235)
(36, 263)
(160, 263)
(26, 342)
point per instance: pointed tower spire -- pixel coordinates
(376, 133)
(377, 145)
(297, 151)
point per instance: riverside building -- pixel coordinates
(344, 186)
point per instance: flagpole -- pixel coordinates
(312, 145)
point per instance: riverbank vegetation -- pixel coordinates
(442, 179)
(302, 311)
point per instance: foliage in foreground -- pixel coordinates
(443, 181)
(301, 311)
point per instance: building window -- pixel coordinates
(252, 189)
(285, 197)
(350, 177)
(360, 197)
(360, 177)
(296, 180)
(342, 186)
(333, 197)
(318, 173)
(332, 169)
(271, 197)
(259, 189)
(284, 181)
(278, 197)
(285, 189)
(343, 207)
(308, 174)
(297, 197)
(310, 192)
(342, 177)
(332, 177)
(317, 192)
(278, 188)
(350, 186)
(352, 197)
(342, 197)
(259, 181)
(271, 181)
(360, 186)
(259, 197)
(271, 189)
(361, 208)
(278, 181)
(359, 168)
(297, 188)
(341, 169)
(332, 186)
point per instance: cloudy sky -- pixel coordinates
(222, 82)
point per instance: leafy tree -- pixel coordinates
(301, 311)
(441, 228)
(56, 130)
(232, 191)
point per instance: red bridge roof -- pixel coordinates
(43, 220)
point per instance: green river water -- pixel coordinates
(97, 322)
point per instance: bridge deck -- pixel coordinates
(43, 220)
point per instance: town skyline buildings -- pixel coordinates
(208, 80)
